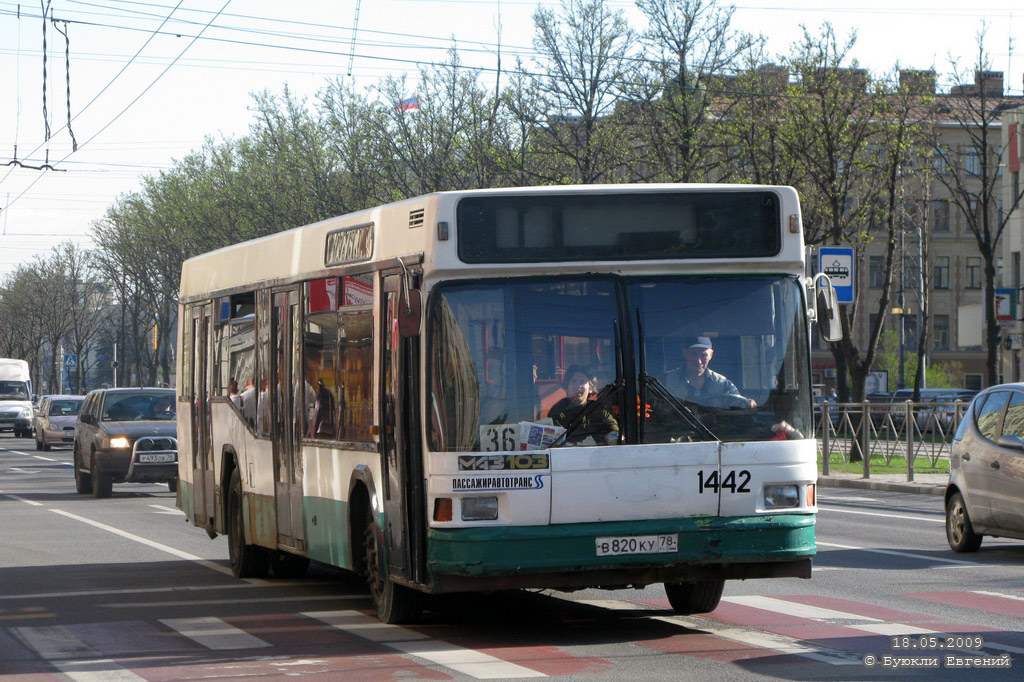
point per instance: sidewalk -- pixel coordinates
(931, 484)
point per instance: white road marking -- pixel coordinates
(909, 555)
(773, 642)
(162, 509)
(240, 600)
(791, 608)
(887, 516)
(467, 661)
(998, 594)
(45, 459)
(875, 626)
(19, 470)
(830, 498)
(756, 638)
(149, 543)
(21, 499)
(57, 646)
(213, 633)
(155, 590)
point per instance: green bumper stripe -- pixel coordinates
(572, 547)
(185, 500)
(327, 537)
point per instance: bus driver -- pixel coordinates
(700, 384)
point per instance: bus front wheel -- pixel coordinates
(396, 604)
(247, 561)
(698, 597)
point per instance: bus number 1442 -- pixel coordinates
(734, 482)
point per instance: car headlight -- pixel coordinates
(25, 412)
(120, 442)
(781, 496)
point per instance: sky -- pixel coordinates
(151, 79)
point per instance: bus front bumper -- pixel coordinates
(565, 556)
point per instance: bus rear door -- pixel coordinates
(202, 461)
(287, 390)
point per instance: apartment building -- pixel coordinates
(953, 260)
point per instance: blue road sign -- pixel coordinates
(70, 361)
(837, 263)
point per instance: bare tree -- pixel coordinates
(685, 87)
(973, 178)
(583, 63)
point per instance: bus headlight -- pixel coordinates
(119, 442)
(781, 496)
(479, 508)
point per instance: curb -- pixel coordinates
(868, 484)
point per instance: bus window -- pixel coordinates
(499, 352)
(338, 352)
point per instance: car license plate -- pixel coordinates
(638, 544)
(160, 457)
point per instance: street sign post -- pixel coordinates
(837, 263)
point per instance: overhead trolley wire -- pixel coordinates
(129, 105)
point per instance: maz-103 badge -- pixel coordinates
(494, 462)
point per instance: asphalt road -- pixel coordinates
(123, 588)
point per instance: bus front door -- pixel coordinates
(287, 385)
(404, 505)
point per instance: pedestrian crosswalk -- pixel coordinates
(352, 644)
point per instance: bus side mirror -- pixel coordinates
(409, 313)
(827, 307)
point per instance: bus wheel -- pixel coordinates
(83, 481)
(396, 604)
(699, 597)
(247, 561)
(285, 565)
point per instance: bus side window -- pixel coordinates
(338, 358)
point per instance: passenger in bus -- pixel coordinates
(233, 394)
(599, 424)
(698, 383)
(263, 407)
(247, 398)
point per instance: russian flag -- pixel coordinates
(408, 104)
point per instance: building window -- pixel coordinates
(972, 162)
(972, 382)
(940, 216)
(973, 272)
(910, 274)
(940, 332)
(876, 272)
(909, 331)
(940, 272)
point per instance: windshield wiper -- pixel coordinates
(677, 405)
(659, 389)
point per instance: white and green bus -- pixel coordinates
(386, 392)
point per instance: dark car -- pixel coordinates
(985, 495)
(55, 420)
(126, 435)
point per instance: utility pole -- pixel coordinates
(901, 308)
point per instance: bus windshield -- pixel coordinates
(607, 360)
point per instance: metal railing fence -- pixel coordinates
(902, 434)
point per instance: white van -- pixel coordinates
(15, 398)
